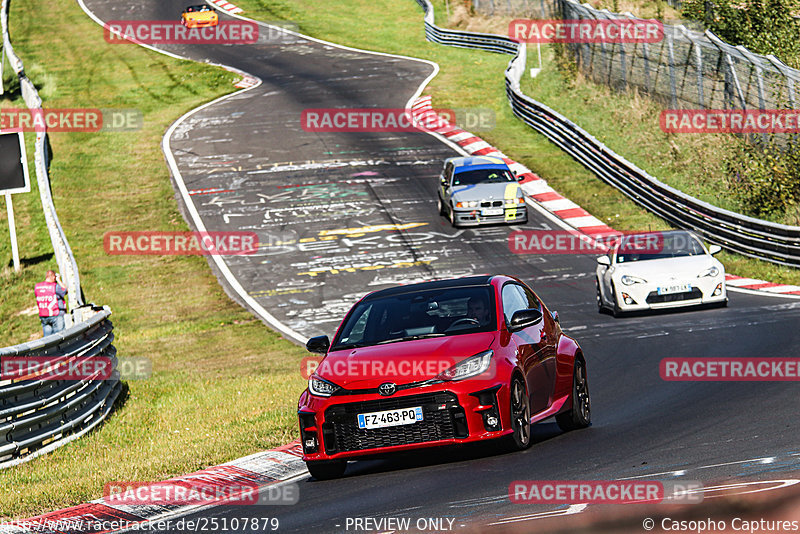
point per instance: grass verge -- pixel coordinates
(223, 385)
(628, 123)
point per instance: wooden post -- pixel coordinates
(13, 231)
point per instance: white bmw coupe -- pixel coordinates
(657, 270)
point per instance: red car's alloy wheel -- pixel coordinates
(580, 416)
(520, 414)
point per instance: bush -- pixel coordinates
(764, 27)
(764, 175)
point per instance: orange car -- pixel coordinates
(198, 16)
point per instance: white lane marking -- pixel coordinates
(657, 334)
(784, 483)
(572, 509)
(764, 460)
(780, 289)
(478, 501)
(221, 265)
(281, 167)
(760, 292)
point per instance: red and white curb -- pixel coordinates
(544, 195)
(262, 469)
(761, 285)
(226, 6)
(247, 80)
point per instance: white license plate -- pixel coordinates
(405, 416)
(677, 288)
(492, 211)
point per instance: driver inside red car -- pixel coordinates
(478, 309)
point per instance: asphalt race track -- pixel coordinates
(342, 214)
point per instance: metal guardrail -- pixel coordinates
(40, 412)
(64, 258)
(777, 243)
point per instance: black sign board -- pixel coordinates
(13, 164)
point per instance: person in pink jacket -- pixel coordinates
(50, 301)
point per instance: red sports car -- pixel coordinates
(439, 363)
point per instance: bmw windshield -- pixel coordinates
(483, 176)
(418, 315)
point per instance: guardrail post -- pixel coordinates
(783, 69)
(698, 54)
(646, 60)
(672, 84)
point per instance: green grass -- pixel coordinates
(223, 385)
(627, 123)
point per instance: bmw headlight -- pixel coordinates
(472, 366)
(630, 280)
(711, 272)
(515, 201)
(467, 204)
(321, 388)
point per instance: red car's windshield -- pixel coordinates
(431, 313)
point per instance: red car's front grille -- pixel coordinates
(442, 418)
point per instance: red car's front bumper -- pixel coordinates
(453, 412)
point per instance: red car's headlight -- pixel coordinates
(320, 387)
(472, 366)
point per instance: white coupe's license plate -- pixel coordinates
(492, 211)
(405, 416)
(677, 288)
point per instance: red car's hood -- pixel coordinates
(401, 362)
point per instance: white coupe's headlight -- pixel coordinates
(711, 272)
(467, 204)
(472, 366)
(630, 280)
(320, 387)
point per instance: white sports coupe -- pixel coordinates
(674, 269)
